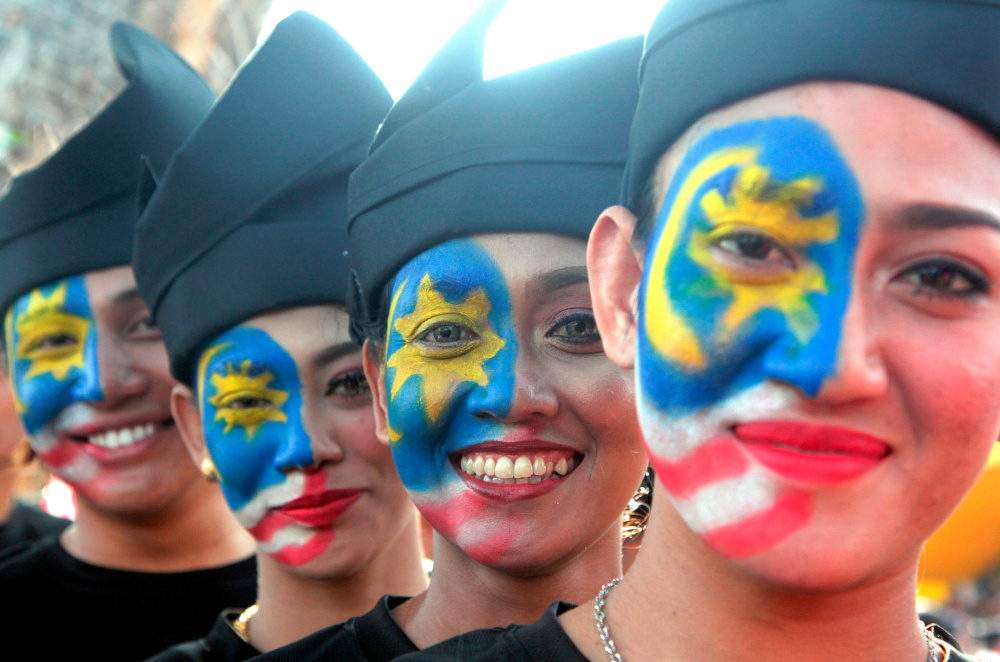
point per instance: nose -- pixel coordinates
(516, 397)
(840, 363)
(110, 375)
(295, 451)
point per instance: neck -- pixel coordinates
(869, 622)
(7, 474)
(195, 531)
(466, 595)
(292, 606)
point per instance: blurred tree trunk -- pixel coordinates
(56, 69)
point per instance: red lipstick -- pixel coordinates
(320, 509)
(809, 453)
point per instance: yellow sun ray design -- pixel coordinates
(774, 208)
(237, 384)
(45, 316)
(8, 324)
(666, 330)
(441, 375)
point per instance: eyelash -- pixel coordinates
(595, 337)
(354, 379)
(978, 284)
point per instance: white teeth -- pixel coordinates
(523, 468)
(539, 467)
(518, 470)
(122, 437)
(505, 468)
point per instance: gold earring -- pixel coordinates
(209, 471)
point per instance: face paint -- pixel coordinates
(743, 298)
(251, 405)
(450, 356)
(52, 354)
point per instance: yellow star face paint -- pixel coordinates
(747, 282)
(244, 400)
(52, 351)
(442, 366)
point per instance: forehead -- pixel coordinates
(901, 149)
(305, 330)
(518, 256)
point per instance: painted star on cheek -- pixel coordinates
(48, 337)
(257, 404)
(443, 369)
(757, 204)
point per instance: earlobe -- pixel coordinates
(615, 271)
(373, 374)
(187, 416)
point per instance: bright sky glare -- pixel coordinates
(398, 37)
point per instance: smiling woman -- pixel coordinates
(274, 405)
(511, 430)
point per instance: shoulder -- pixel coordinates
(33, 561)
(542, 640)
(372, 637)
(222, 644)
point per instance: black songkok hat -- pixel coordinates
(75, 212)
(702, 55)
(539, 150)
(250, 215)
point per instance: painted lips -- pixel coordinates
(319, 509)
(812, 454)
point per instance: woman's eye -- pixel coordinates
(945, 278)
(249, 402)
(580, 328)
(144, 326)
(753, 246)
(56, 341)
(447, 334)
(351, 385)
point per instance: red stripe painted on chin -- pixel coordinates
(449, 517)
(295, 555)
(715, 460)
(762, 531)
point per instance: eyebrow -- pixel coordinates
(127, 296)
(562, 278)
(939, 217)
(332, 353)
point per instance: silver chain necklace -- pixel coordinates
(936, 652)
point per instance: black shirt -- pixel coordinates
(373, 637)
(546, 641)
(25, 524)
(542, 641)
(221, 644)
(65, 608)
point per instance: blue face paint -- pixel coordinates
(52, 352)
(251, 404)
(747, 276)
(450, 358)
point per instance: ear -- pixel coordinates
(184, 407)
(615, 271)
(376, 382)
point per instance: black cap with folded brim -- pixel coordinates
(75, 212)
(702, 55)
(540, 150)
(250, 215)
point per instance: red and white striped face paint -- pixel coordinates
(816, 328)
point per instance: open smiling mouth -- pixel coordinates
(122, 437)
(527, 468)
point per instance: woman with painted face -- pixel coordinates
(809, 299)
(154, 552)
(512, 431)
(240, 253)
